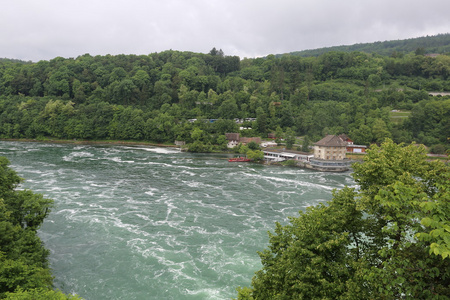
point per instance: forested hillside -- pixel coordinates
(430, 44)
(153, 97)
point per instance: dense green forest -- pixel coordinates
(387, 239)
(194, 97)
(430, 44)
(24, 270)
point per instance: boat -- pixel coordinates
(239, 159)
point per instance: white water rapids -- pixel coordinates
(154, 223)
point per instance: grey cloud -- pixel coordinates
(34, 30)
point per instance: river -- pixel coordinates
(134, 222)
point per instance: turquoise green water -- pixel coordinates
(153, 223)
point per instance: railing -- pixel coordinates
(330, 163)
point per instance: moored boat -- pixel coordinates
(239, 159)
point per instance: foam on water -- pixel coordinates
(154, 223)
(161, 150)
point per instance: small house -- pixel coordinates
(356, 148)
(234, 139)
(352, 148)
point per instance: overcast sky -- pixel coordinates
(44, 29)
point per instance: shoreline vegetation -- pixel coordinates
(25, 272)
(353, 156)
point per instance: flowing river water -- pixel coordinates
(155, 223)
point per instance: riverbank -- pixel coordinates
(353, 156)
(110, 142)
(91, 142)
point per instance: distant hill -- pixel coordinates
(430, 44)
(12, 60)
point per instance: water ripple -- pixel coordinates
(154, 223)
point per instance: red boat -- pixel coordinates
(239, 159)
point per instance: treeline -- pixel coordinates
(430, 44)
(152, 97)
(24, 269)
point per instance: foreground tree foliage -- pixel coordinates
(39, 294)
(389, 239)
(24, 270)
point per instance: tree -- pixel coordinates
(160, 129)
(396, 184)
(142, 81)
(279, 135)
(253, 146)
(24, 272)
(420, 51)
(222, 142)
(40, 294)
(286, 118)
(380, 130)
(215, 52)
(54, 117)
(124, 92)
(127, 124)
(197, 134)
(26, 209)
(374, 80)
(228, 109)
(222, 126)
(437, 220)
(308, 259)
(58, 83)
(387, 240)
(362, 135)
(198, 146)
(305, 144)
(255, 154)
(290, 138)
(261, 120)
(78, 91)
